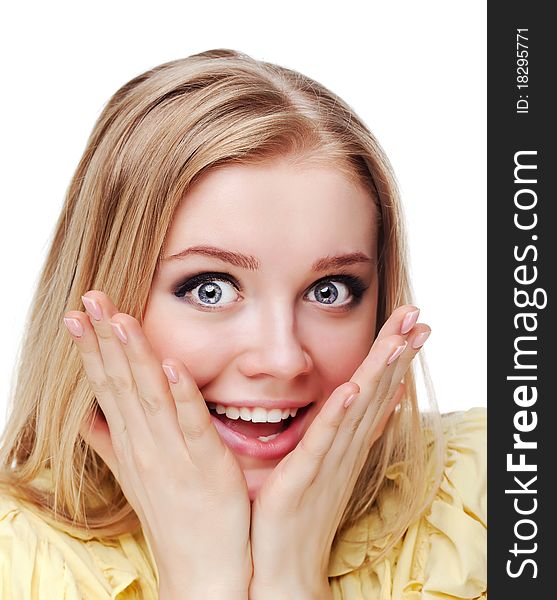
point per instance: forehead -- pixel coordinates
(275, 205)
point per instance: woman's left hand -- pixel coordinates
(299, 507)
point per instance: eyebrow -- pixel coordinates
(244, 261)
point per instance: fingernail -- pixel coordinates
(409, 321)
(74, 326)
(349, 400)
(420, 339)
(120, 332)
(399, 350)
(170, 373)
(92, 308)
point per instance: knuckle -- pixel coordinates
(393, 389)
(104, 332)
(85, 347)
(151, 405)
(376, 377)
(99, 387)
(394, 340)
(328, 422)
(120, 445)
(195, 431)
(144, 461)
(121, 385)
(317, 453)
(353, 423)
(127, 320)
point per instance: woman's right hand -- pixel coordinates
(158, 440)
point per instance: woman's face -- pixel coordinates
(287, 311)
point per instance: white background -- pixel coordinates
(414, 71)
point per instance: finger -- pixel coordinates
(117, 371)
(378, 413)
(176, 411)
(386, 348)
(365, 405)
(393, 403)
(307, 458)
(86, 342)
(151, 385)
(375, 374)
(400, 366)
(382, 355)
(203, 442)
(401, 321)
(366, 418)
(344, 466)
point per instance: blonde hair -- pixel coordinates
(157, 134)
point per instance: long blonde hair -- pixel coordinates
(156, 135)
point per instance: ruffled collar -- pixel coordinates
(362, 542)
(44, 481)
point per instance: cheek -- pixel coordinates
(339, 361)
(200, 348)
(337, 351)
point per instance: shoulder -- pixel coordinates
(443, 554)
(24, 553)
(465, 470)
(472, 422)
(38, 560)
(455, 526)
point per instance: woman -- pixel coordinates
(234, 413)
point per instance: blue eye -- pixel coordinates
(328, 292)
(208, 290)
(329, 289)
(211, 291)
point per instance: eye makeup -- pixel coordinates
(355, 285)
(192, 282)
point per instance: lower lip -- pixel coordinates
(280, 446)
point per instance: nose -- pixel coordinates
(274, 347)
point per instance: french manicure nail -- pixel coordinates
(74, 326)
(420, 339)
(398, 351)
(409, 321)
(349, 400)
(170, 373)
(92, 308)
(120, 332)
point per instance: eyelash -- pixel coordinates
(355, 286)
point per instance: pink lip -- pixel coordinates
(263, 403)
(284, 443)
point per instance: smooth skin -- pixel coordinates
(269, 336)
(297, 513)
(183, 483)
(271, 340)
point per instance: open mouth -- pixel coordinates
(262, 431)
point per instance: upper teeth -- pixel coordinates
(256, 414)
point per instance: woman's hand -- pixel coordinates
(299, 507)
(158, 439)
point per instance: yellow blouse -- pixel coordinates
(442, 556)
